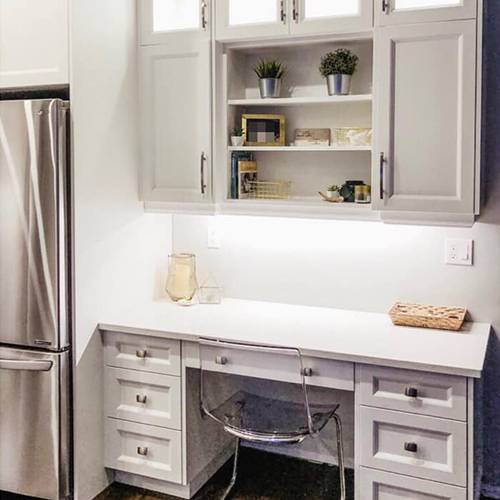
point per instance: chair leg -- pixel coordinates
(340, 453)
(235, 471)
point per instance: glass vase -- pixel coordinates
(181, 279)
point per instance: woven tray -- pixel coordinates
(442, 318)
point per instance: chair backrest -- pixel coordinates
(256, 361)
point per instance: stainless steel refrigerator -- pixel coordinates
(35, 309)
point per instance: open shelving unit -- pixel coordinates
(305, 103)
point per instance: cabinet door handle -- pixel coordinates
(382, 164)
(283, 12)
(203, 185)
(307, 372)
(204, 22)
(141, 398)
(411, 447)
(296, 10)
(221, 360)
(386, 6)
(142, 450)
(411, 392)
(141, 353)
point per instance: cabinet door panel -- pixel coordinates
(33, 43)
(419, 11)
(237, 19)
(425, 117)
(317, 16)
(175, 105)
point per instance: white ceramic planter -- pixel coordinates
(237, 140)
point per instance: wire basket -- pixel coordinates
(270, 190)
(352, 136)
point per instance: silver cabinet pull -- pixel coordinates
(295, 13)
(142, 450)
(382, 164)
(283, 12)
(411, 447)
(141, 353)
(307, 372)
(204, 21)
(411, 392)
(141, 398)
(203, 159)
(221, 360)
(386, 6)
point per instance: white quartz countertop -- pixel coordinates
(323, 332)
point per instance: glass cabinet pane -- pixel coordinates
(425, 4)
(320, 8)
(175, 15)
(253, 12)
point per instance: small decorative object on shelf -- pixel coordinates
(352, 136)
(270, 190)
(237, 137)
(247, 176)
(347, 190)
(325, 197)
(270, 74)
(333, 192)
(338, 67)
(362, 194)
(312, 137)
(442, 318)
(263, 129)
(181, 280)
(210, 292)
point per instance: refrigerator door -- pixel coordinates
(33, 224)
(34, 423)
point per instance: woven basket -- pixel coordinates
(442, 318)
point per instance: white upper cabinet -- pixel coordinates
(236, 19)
(33, 43)
(318, 16)
(419, 11)
(175, 101)
(176, 21)
(425, 76)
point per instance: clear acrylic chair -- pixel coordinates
(260, 419)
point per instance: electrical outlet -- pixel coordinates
(459, 252)
(213, 235)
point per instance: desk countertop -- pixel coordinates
(323, 332)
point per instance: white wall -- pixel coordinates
(117, 246)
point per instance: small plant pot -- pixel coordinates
(270, 88)
(332, 195)
(237, 140)
(339, 84)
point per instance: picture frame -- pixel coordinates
(263, 129)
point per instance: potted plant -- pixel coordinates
(338, 67)
(333, 192)
(237, 137)
(270, 74)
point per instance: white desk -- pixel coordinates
(350, 350)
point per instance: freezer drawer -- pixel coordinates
(34, 423)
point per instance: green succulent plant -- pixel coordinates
(333, 187)
(339, 62)
(270, 69)
(237, 132)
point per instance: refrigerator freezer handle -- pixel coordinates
(33, 365)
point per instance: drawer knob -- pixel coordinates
(411, 392)
(221, 360)
(307, 372)
(411, 447)
(142, 450)
(141, 353)
(141, 398)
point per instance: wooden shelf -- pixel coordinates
(300, 148)
(298, 101)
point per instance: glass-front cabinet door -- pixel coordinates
(389, 12)
(239, 19)
(174, 20)
(318, 16)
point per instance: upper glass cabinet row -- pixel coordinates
(239, 19)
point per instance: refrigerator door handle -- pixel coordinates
(33, 366)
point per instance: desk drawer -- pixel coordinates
(138, 352)
(378, 485)
(143, 449)
(414, 445)
(275, 366)
(413, 391)
(147, 398)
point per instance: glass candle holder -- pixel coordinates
(181, 279)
